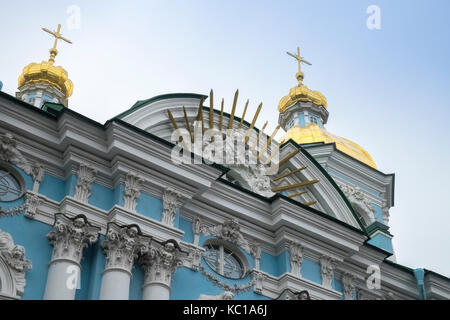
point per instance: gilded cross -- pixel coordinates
(57, 35)
(298, 58)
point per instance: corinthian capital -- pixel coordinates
(86, 175)
(171, 201)
(161, 261)
(122, 246)
(70, 236)
(133, 186)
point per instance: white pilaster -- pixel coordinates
(86, 176)
(133, 186)
(296, 256)
(171, 201)
(348, 280)
(69, 237)
(326, 267)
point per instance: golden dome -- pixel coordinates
(313, 134)
(302, 93)
(48, 73)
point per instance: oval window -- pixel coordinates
(224, 261)
(10, 187)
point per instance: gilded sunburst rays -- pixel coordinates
(261, 147)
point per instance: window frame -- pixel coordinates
(17, 176)
(236, 254)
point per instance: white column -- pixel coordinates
(159, 263)
(69, 237)
(121, 246)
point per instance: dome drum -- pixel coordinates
(299, 107)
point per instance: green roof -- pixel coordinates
(141, 103)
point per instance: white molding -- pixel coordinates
(436, 287)
(272, 287)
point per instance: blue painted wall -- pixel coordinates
(101, 197)
(275, 265)
(378, 213)
(149, 206)
(54, 188)
(186, 226)
(337, 285)
(118, 195)
(311, 271)
(97, 265)
(137, 281)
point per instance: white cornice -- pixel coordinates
(436, 287)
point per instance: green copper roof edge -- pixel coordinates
(57, 106)
(141, 103)
(333, 183)
(378, 226)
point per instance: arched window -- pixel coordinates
(224, 259)
(12, 186)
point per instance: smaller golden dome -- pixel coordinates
(302, 93)
(48, 73)
(312, 133)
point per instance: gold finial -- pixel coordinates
(57, 35)
(299, 59)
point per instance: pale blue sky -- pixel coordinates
(387, 90)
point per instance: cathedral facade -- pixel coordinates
(103, 211)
